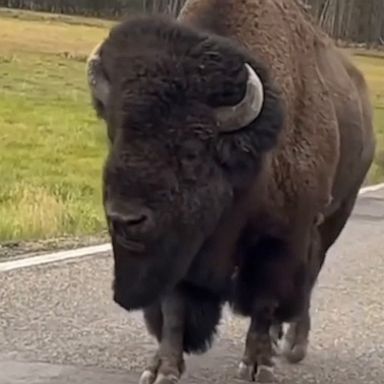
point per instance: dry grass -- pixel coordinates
(55, 37)
(42, 212)
(54, 18)
(51, 144)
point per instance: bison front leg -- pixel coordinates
(166, 321)
(257, 364)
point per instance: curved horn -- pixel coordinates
(233, 118)
(97, 81)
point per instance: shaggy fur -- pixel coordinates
(166, 148)
(235, 216)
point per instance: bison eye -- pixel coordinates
(190, 156)
(191, 151)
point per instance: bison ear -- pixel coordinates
(97, 80)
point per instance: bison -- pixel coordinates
(239, 138)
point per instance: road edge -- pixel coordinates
(58, 256)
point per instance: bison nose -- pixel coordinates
(130, 221)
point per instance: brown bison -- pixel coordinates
(239, 138)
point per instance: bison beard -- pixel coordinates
(220, 165)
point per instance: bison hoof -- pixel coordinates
(296, 353)
(162, 371)
(260, 373)
(264, 374)
(246, 372)
(149, 377)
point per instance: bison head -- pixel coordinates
(189, 116)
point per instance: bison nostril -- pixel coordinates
(127, 224)
(134, 220)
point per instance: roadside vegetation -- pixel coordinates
(51, 144)
(52, 147)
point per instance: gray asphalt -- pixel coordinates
(58, 323)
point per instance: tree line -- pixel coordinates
(96, 8)
(357, 21)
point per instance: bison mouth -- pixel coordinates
(143, 273)
(132, 246)
(121, 236)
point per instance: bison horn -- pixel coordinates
(97, 81)
(232, 118)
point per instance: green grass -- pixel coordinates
(52, 147)
(373, 68)
(51, 144)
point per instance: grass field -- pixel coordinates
(51, 144)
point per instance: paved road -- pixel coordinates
(58, 324)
